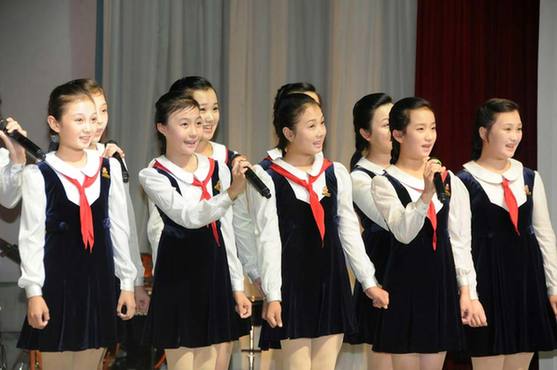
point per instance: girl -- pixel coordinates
(304, 232)
(372, 156)
(107, 151)
(198, 275)
(513, 245)
(430, 249)
(12, 160)
(73, 240)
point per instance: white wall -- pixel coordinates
(43, 44)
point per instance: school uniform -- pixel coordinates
(10, 180)
(377, 241)
(302, 251)
(514, 251)
(71, 262)
(428, 262)
(155, 223)
(197, 267)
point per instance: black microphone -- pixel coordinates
(27, 144)
(118, 157)
(439, 187)
(256, 182)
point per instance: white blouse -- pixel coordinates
(33, 217)
(155, 223)
(10, 180)
(361, 191)
(264, 213)
(134, 243)
(406, 222)
(541, 222)
(187, 210)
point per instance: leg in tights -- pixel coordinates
(324, 351)
(296, 354)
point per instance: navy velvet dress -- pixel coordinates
(510, 277)
(79, 286)
(192, 304)
(316, 295)
(424, 309)
(378, 244)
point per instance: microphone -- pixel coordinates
(118, 157)
(27, 144)
(255, 181)
(438, 183)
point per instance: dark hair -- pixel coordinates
(486, 117)
(59, 98)
(289, 109)
(167, 104)
(399, 118)
(363, 113)
(291, 88)
(92, 87)
(187, 85)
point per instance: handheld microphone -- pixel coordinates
(27, 144)
(255, 181)
(438, 183)
(118, 157)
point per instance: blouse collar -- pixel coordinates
(370, 166)
(89, 169)
(482, 173)
(200, 172)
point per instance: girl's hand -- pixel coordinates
(112, 148)
(142, 300)
(238, 184)
(243, 304)
(273, 314)
(431, 167)
(379, 296)
(126, 300)
(17, 152)
(37, 312)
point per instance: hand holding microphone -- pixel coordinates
(433, 182)
(114, 151)
(10, 128)
(253, 179)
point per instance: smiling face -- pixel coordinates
(309, 132)
(102, 117)
(417, 140)
(209, 109)
(502, 139)
(183, 131)
(76, 125)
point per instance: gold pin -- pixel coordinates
(217, 186)
(527, 190)
(447, 190)
(325, 192)
(104, 173)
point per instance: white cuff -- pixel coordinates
(33, 290)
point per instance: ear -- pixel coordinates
(483, 133)
(288, 134)
(53, 124)
(366, 134)
(161, 128)
(398, 136)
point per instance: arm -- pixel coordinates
(460, 234)
(32, 231)
(245, 237)
(404, 222)
(134, 243)
(263, 212)
(545, 235)
(361, 193)
(120, 229)
(349, 231)
(155, 225)
(10, 180)
(189, 213)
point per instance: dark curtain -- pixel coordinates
(468, 51)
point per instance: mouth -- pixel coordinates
(191, 143)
